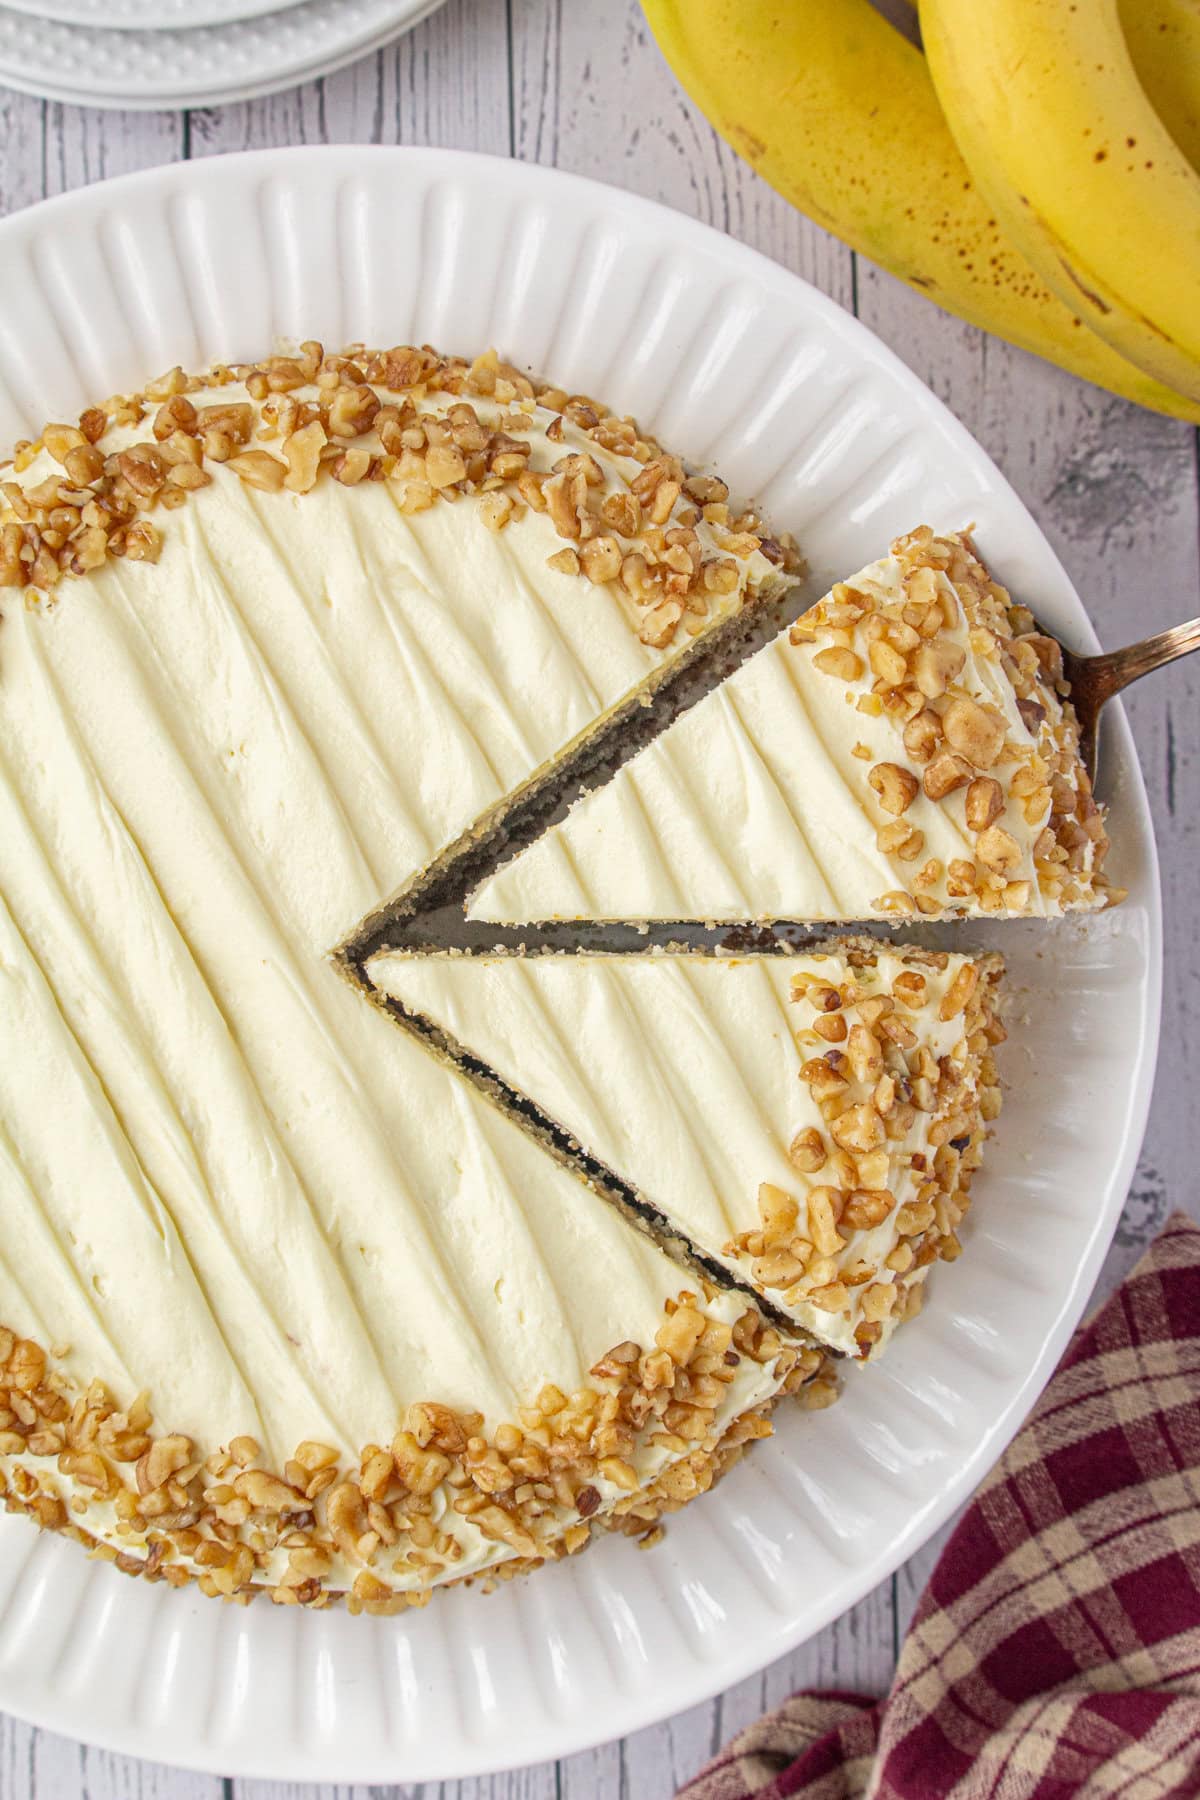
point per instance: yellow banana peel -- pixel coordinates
(1164, 41)
(1086, 180)
(836, 109)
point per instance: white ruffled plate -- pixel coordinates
(730, 358)
(270, 47)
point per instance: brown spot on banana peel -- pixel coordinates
(1094, 300)
(1102, 306)
(1081, 287)
(1087, 293)
(743, 141)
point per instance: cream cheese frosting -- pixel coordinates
(903, 751)
(225, 1178)
(811, 1122)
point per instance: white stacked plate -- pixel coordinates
(151, 54)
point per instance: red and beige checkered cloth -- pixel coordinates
(1056, 1650)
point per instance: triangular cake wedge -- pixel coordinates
(811, 1122)
(906, 750)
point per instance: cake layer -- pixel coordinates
(906, 750)
(811, 1122)
(229, 1184)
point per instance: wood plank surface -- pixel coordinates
(583, 88)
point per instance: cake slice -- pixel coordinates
(907, 749)
(811, 1123)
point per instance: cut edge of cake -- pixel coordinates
(876, 1184)
(949, 750)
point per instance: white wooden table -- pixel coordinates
(583, 88)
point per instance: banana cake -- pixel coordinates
(289, 1304)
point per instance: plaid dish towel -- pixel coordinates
(1056, 1650)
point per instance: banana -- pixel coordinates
(1086, 180)
(1164, 42)
(1163, 37)
(835, 108)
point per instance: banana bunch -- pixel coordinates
(1034, 172)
